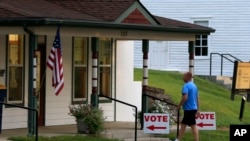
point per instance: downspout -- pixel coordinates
(31, 96)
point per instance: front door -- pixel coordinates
(158, 57)
(40, 79)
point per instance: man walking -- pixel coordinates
(190, 105)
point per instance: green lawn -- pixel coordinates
(213, 98)
(62, 138)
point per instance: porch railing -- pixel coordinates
(30, 109)
(228, 57)
(168, 103)
(125, 103)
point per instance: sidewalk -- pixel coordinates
(66, 130)
(42, 131)
(118, 130)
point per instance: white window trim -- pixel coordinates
(208, 19)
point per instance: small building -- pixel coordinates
(231, 20)
(97, 52)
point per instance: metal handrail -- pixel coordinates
(27, 108)
(127, 105)
(221, 62)
(178, 111)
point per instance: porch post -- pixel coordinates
(145, 49)
(191, 57)
(31, 85)
(94, 49)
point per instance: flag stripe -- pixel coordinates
(55, 63)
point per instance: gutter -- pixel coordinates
(95, 24)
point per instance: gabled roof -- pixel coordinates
(117, 13)
(108, 10)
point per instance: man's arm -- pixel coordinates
(183, 100)
(198, 103)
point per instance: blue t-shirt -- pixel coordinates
(191, 90)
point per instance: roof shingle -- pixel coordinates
(42, 8)
(107, 10)
(86, 11)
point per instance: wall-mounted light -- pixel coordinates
(2, 72)
(13, 37)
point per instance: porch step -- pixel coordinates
(224, 81)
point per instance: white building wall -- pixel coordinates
(127, 90)
(230, 19)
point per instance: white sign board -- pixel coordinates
(155, 123)
(206, 121)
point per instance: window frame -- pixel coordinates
(86, 66)
(22, 65)
(201, 46)
(207, 20)
(102, 99)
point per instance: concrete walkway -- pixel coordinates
(118, 130)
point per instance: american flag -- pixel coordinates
(55, 63)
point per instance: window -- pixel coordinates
(15, 68)
(201, 47)
(80, 69)
(201, 41)
(105, 55)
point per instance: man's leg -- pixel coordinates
(195, 132)
(182, 131)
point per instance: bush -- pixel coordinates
(91, 116)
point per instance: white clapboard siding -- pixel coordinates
(108, 111)
(230, 19)
(14, 117)
(138, 54)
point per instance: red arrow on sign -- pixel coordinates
(203, 124)
(152, 127)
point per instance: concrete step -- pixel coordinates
(224, 81)
(223, 78)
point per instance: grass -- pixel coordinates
(62, 138)
(213, 98)
(218, 135)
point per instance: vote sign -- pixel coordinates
(206, 121)
(155, 123)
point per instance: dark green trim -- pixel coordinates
(72, 72)
(115, 56)
(104, 101)
(94, 44)
(191, 47)
(79, 102)
(95, 24)
(145, 46)
(31, 115)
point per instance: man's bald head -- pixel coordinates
(187, 76)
